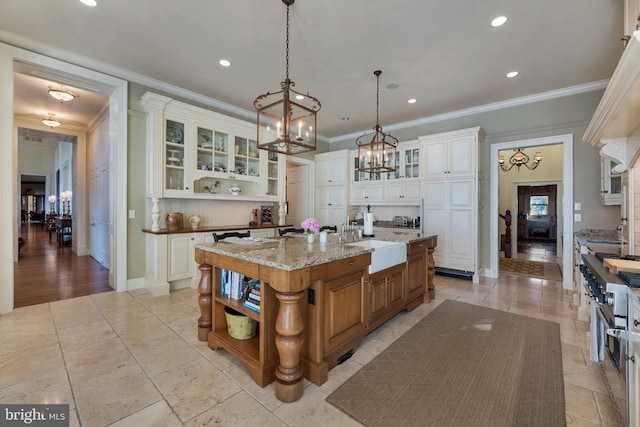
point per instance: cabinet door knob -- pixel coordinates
(632, 358)
(351, 263)
(635, 322)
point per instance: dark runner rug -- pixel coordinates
(462, 365)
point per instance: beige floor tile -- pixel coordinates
(186, 327)
(52, 388)
(74, 312)
(115, 395)
(114, 301)
(194, 387)
(220, 358)
(29, 364)
(265, 395)
(141, 330)
(574, 421)
(341, 373)
(581, 403)
(132, 314)
(78, 337)
(608, 412)
(176, 311)
(312, 410)
(587, 376)
(163, 353)
(239, 410)
(157, 415)
(96, 360)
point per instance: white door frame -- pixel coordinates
(567, 202)
(118, 105)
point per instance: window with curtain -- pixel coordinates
(538, 205)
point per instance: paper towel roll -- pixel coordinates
(368, 224)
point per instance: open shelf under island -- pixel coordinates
(318, 301)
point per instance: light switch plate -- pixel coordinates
(577, 206)
(577, 217)
(132, 213)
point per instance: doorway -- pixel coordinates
(11, 61)
(536, 220)
(565, 225)
(300, 177)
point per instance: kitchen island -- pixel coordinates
(318, 301)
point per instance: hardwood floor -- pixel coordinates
(46, 272)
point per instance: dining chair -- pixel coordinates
(283, 231)
(217, 237)
(333, 228)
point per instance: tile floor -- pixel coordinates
(131, 359)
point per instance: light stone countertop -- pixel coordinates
(293, 252)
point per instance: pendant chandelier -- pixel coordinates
(377, 152)
(519, 158)
(61, 94)
(287, 118)
(51, 121)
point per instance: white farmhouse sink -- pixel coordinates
(384, 255)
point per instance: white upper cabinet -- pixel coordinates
(197, 153)
(331, 168)
(449, 155)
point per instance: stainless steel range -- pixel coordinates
(608, 319)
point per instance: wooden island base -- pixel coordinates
(311, 318)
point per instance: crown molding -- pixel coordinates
(530, 99)
(83, 61)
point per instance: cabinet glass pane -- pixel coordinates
(205, 149)
(175, 132)
(616, 184)
(221, 152)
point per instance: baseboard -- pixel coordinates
(458, 274)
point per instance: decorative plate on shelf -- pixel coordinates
(174, 134)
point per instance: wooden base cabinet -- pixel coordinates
(417, 268)
(386, 294)
(633, 361)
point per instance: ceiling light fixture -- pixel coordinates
(498, 21)
(519, 158)
(284, 125)
(51, 121)
(89, 2)
(377, 154)
(61, 94)
(512, 74)
(225, 62)
(412, 101)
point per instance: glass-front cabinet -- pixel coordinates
(401, 186)
(206, 155)
(174, 156)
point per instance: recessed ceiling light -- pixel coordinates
(512, 74)
(412, 101)
(498, 21)
(89, 2)
(345, 118)
(392, 85)
(225, 62)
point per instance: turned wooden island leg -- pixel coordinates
(204, 301)
(289, 326)
(431, 272)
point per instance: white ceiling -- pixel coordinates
(443, 53)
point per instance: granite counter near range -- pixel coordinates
(599, 240)
(215, 228)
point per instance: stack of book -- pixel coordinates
(252, 299)
(233, 285)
